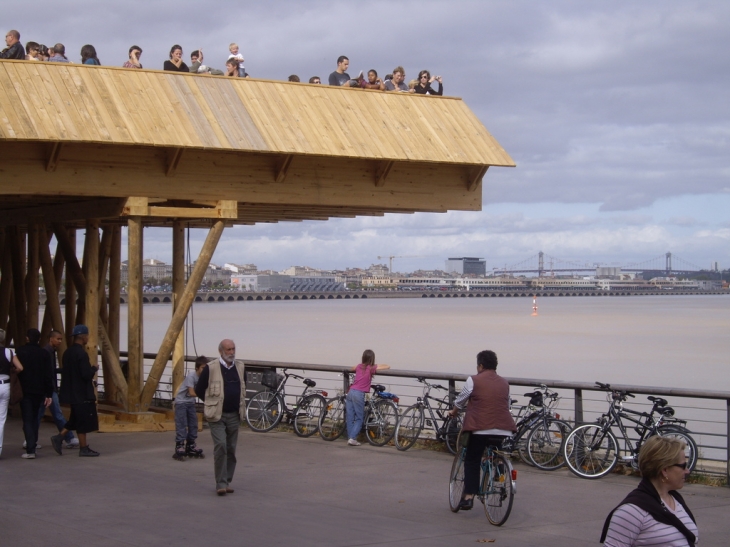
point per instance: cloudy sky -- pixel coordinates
(617, 114)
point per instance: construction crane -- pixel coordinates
(391, 257)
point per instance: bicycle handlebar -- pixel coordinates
(621, 394)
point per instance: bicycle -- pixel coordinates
(592, 450)
(266, 409)
(540, 432)
(379, 420)
(497, 484)
(412, 420)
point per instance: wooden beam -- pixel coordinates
(53, 306)
(17, 251)
(382, 172)
(63, 212)
(178, 318)
(69, 243)
(116, 376)
(134, 308)
(91, 273)
(6, 282)
(58, 265)
(282, 168)
(140, 206)
(32, 278)
(54, 156)
(114, 390)
(178, 288)
(174, 155)
(475, 177)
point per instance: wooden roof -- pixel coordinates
(310, 151)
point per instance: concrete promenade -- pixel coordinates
(291, 492)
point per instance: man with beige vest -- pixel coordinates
(223, 390)
(488, 419)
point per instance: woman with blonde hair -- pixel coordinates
(655, 513)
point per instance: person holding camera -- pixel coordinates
(423, 87)
(135, 52)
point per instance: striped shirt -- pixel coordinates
(631, 526)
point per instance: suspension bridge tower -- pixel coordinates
(669, 264)
(540, 264)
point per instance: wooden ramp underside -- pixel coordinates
(80, 135)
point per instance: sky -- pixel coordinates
(616, 113)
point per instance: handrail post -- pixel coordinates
(345, 382)
(578, 406)
(727, 439)
(452, 391)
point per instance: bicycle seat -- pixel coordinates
(665, 410)
(377, 388)
(658, 400)
(535, 398)
(310, 383)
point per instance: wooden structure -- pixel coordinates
(94, 148)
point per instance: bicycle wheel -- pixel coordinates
(590, 452)
(264, 411)
(409, 427)
(332, 420)
(453, 428)
(456, 480)
(545, 444)
(380, 423)
(498, 490)
(677, 433)
(306, 419)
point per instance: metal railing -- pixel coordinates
(707, 412)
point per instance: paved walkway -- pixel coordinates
(291, 492)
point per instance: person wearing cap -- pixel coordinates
(36, 379)
(77, 390)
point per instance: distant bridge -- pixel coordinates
(542, 264)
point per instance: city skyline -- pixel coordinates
(616, 115)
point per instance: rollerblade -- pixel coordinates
(191, 451)
(180, 453)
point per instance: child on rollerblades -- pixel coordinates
(186, 419)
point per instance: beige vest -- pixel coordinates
(213, 405)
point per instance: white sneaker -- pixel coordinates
(28, 456)
(73, 443)
(353, 442)
(37, 446)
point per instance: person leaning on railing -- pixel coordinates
(15, 48)
(654, 513)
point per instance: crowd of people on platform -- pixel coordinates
(234, 66)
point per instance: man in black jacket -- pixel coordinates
(36, 379)
(77, 390)
(15, 48)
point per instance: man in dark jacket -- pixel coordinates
(54, 343)
(77, 390)
(36, 379)
(15, 48)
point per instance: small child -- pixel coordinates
(233, 48)
(186, 419)
(355, 400)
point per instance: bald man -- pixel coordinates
(221, 387)
(15, 48)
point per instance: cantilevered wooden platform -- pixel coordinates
(100, 147)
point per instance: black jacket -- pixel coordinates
(36, 378)
(15, 51)
(77, 376)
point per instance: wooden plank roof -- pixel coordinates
(65, 103)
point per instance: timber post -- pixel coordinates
(178, 287)
(134, 310)
(178, 318)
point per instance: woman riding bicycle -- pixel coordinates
(488, 419)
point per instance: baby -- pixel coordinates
(233, 48)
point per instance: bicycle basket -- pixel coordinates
(271, 379)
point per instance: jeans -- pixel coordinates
(4, 402)
(58, 418)
(186, 423)
(29, 405)
(225, 437)
(354, 412)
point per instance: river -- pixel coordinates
(666, 341)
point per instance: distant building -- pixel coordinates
(466, 265)
(605, 271)
(245, 282)
(273, 282)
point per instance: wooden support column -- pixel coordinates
(103, 314)
(134, 310)
(115, 265)
(17, 251)
(178, 318)
(58, 266)
(32, 280)
(91, 299)
(69, 237)
(178, 287)
(6, 282)
(53, 306)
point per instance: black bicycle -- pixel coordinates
(268, 407)
(445, 427)
(592, 450)
(379, 421)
